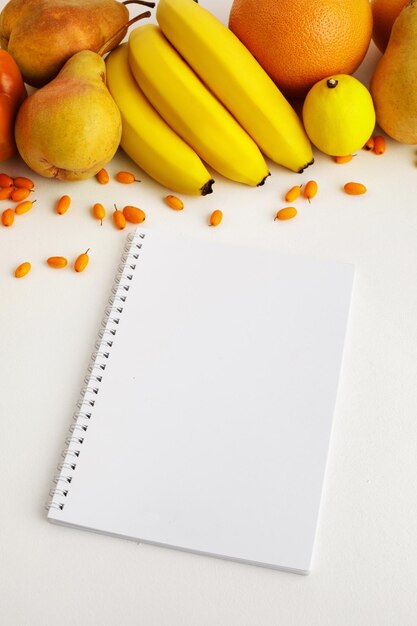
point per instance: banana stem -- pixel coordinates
(106, 45)
(151, 5)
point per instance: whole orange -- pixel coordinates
(385, 13)
(299, 42)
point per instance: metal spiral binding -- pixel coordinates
(96, 372)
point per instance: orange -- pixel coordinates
(385, 13)
(299, 42)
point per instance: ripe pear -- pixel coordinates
(41, 35)
(393, 85)
(70, 128)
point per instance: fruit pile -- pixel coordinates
(190, 98)
(190, 92)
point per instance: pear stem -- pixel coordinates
(105, 47)
(151, 5)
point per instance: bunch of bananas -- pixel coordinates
(189, 91)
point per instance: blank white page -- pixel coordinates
(211, 423)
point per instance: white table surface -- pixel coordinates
(365, 561)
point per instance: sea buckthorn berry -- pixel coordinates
(5, 193)
(24, 207)
(19, 194)
(293, 193)
(81, 261)
(134, 215)
(369, 144)
(216, 217)
(126, 178)
(310, 190)
(379, 145)
(57, 262)
(343, 159)
(7, 217)
(6, 181)
(174, 203)
(63, 205)
(119, 219)
(354, 189)
(103, 176)
(22, 181)
(22, 269)
(286, 214)
(99, 212)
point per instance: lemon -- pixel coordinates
(339, 115)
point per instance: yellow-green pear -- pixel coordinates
(394, 83)
(70, 128)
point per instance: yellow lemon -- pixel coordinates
(339, 115)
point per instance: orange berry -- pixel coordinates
(57, 262)
(134, 215)
(119, 219)
(354, 189)
(174, 203)
(379, 145)
(22, 269)
(286, 214)
(310, 190)
(21, 181)
(23, 207)
(126, 177)
(81, 261)
(7, 217)
(99, 212)
(63, 205)
(216, 217)
(6, 181)
(103, 176)
(293, 193)
(343, 159)
(5, 193)
(19, 194)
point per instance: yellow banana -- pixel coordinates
(191, 110)
(231, 72)
(147, 139)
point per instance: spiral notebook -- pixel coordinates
(205, 421)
